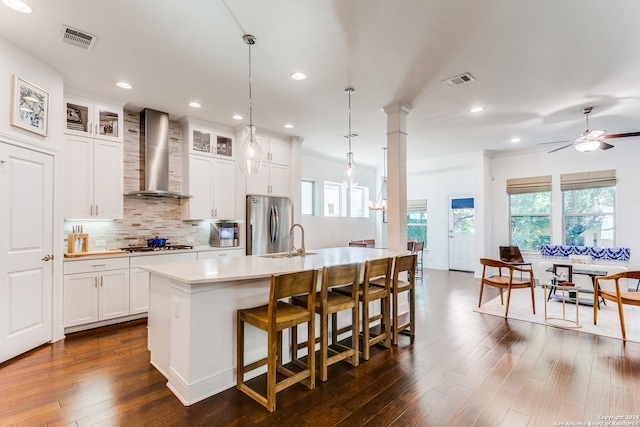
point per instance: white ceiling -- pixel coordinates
(536, 65)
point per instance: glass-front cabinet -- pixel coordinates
(205, 139)
(95, 120)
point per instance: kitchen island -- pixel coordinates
(192, 314)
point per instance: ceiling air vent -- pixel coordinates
(78, 38)
(459, 80)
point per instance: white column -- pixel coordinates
(397, 175)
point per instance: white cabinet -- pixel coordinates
(139, 286)
(204, 138)
(94, 120)
(211, 183)
(95, 290)
(273, 178)
(208, 171)
(93, 177)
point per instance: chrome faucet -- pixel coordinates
(291, 248)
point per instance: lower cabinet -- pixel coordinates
(95, 290)
(139, 289)
(221, 253)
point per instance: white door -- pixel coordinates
(461, 233)
(26, 247)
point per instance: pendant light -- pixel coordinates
(250, 156)
(350, 174)
(381, 203)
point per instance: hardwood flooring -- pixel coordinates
(464, 369)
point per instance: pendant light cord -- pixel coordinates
(250, 97)
(349, 91)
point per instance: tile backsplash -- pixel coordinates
(145, 218)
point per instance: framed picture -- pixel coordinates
(30, 107)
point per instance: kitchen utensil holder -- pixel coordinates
(77, 242)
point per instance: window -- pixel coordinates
(308, 197)
(588, 201)
(417, 220)
(358, 202)
(334, 199)
(530, 212)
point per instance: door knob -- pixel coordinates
(47, 257)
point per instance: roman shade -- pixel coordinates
(416, 206)
(582, 180)
(534, 184)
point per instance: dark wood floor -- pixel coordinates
(464, 369)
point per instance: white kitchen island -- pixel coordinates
(192, 314)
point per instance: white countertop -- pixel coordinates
(258, 266)
(203, 248)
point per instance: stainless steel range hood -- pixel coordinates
(155, 140)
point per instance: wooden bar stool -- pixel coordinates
(274, 318)
(402, 263)
(328, 303)
(380, 270)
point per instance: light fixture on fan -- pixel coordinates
(250, 156)
(381, 203)
(350, 173)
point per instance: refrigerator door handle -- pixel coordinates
(274, 224)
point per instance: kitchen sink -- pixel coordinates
(285, 255)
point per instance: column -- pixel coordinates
(397, 175)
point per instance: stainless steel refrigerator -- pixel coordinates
(268, 223)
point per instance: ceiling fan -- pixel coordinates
(591, 140)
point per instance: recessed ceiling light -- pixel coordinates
(18, 6)
(476, 109)
(288, 126)
(298, 76)
(515, 140)
(195, 105)
(237, 117)
(124, 85)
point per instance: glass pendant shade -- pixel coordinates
(350, 173)
(250, 156)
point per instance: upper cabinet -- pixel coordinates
(273, 177)
(206, 139)
(93, 169)
(95, 120)
(208, 171)
(93, 173)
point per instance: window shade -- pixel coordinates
(582, 180)
(534, 184)
(416, 206)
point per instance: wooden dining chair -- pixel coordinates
(506, 280)
(273, 318)
(615, 294)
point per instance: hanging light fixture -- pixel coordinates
(250, 156)
(350, 174)
(381, 202)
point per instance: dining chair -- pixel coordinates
(505, 280)
(622, 297)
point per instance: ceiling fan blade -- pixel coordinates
(553, 142)
(621, 135)
(561, 148)
(605, 146)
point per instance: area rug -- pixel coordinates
(608, 320)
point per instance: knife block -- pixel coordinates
(77, 242)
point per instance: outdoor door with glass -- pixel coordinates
(461, 234)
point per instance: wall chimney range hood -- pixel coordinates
(155, 141)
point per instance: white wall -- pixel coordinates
(436, 186)
(326, 232)
(622, 158)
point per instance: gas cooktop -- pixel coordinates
(156, 249)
